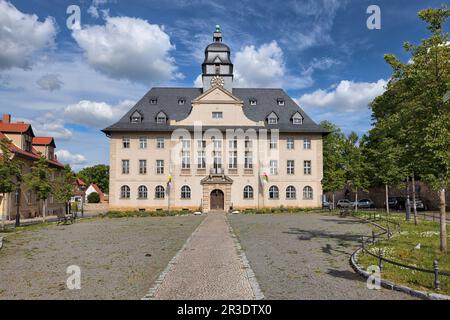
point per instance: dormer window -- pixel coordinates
(280, 102)
(153, 100)
(136, 117)
(181, 101)
(272, 118)
(161, 118)
(297, 118)
(253, 102)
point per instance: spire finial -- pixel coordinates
(217, 36)
(217, 28)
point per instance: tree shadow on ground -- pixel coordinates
(344, 274)
(321, 234)
(328, 250)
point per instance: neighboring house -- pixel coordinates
(26, 147)
(78, 190)
(215, 148)
(94, 188)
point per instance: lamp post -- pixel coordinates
(18, 206)
(83, 189)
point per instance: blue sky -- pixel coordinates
(71, 83)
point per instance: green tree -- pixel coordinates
(64, 186)
(414, 110)
(39, 181)
(10, 173)
(98, 174)
(93, 198)
(333, 159)
(355, 166)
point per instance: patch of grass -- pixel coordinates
(128, 214)
(402, 248)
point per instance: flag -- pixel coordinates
(168, 183)
(265, 177)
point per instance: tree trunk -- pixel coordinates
(443, 221)
(387, 198)
(44, 209)
(414, 198)
(3, 210)
(408, 203)
(334, 200)
(356, 200)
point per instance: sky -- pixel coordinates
(70, 82)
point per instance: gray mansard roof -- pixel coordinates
(167, 101)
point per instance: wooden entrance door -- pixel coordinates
(217, 200)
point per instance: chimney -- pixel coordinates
(6, 118)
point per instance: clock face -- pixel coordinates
(217, 81)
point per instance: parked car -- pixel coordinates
(326, 204)
(420, 205)
(365, 204)
(396, 203)
(344, 203)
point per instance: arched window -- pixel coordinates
(248, 192)
(185, 192)
(290, 192)
(273, 192)
(142, 192)
(125, 192)
(307, 193)
(159, 192)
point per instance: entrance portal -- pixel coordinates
(217, 200)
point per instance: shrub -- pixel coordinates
(93, 198)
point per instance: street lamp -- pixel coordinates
(18, 206)
(83, 194)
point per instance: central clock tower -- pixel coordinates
(217, 69)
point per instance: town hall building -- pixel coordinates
(215, 148)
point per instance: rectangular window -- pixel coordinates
(280, 102)
(297, 120)
(126, 142)
(273, 143)
(248, 160)
(232, 164)
(272, 120)
(186, 144)
(290, 167)
(233, 144)
(307, 167)
(201, 160)
(217, 115)
(307, 143)
(290, 143)
(153, 101)
(217, 144)
(160, 143)
(125, 166)
(247, 143)
(201, 144)
(159, 166)
(217, 158)
(273, 167)
(143, 142)
(185, 159)
(142, 166)
(253, 102)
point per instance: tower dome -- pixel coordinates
(217, 64)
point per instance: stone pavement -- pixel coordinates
(208, 267)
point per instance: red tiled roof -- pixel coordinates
(80, 182)
(33, 154)
(17, 127)
(99, 191)
(43, 141)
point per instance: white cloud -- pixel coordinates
(96, 114)
(66, 156)
(21, 35)
(49, 125)
(50, 82)
(93, 8)
(129, 48)
(347, 96)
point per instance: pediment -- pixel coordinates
(216, 179)
(217, 94)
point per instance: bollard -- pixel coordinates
(373, 236)
(380, 259)
(437, 283)
(362, 243)
(388, 232)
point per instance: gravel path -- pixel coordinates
(305, 256)
(119, 258)
(208, 267)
